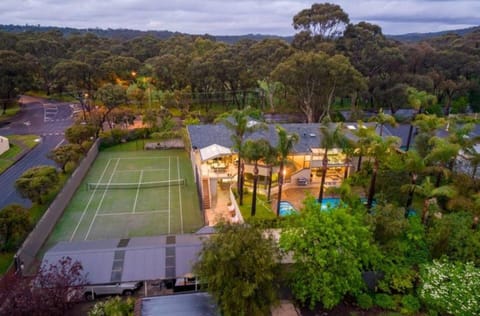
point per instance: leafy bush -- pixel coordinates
(364, 300)
(410, 304)
(384, 301)
(113, 306)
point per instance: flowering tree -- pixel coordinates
(451, 288)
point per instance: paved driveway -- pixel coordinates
(40, 117)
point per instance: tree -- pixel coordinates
(429, 192)
(451, 287)
(382, 118)
(285, 144)
(418, 100)
(240, 284)
(62, 155)
(241, 123)
(15, 222)
(331, 136)
(253, 151)
(454, 236)
(79, 134)
(37, 182)
(330, 252)
(377, 148)
(112, 96)
(324, 21)
(51, 291)
(15, 77)
(315, 79)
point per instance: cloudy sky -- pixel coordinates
(235, 17)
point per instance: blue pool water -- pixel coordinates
(286, 208)
(329, 203)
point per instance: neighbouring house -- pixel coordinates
(4, 144)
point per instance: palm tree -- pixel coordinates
(255, 150)
(377, 148)
(418, 100)
(241, 123)
(284, 147)
(381, 119)
(429, 192)
(441, 157)
(413, 164)
(331, 136)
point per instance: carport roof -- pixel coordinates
(135, 259)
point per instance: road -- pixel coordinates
(39, 117)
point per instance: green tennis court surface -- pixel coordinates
(132, 194)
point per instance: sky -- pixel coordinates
(236, 17)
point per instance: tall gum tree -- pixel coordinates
(315, 79)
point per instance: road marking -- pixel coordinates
(101, 200)
(89, 201)
(58, 145)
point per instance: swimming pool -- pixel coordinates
(330, 203)
(286, 208)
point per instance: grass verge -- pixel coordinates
(11, 111)
(18, 143)
(6, 259)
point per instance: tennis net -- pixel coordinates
(142, 185)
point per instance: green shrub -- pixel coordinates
(365, 301)
(384, 301)
(410, 304)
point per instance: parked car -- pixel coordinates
(124, 288)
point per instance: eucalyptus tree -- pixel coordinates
(112, 96)
(315, 79)
(241, 123)
(320, 22)
(285, 144)
(254, 151)
(15, 77)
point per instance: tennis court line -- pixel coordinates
(136, 158)
(138, 170)
(101, 200)
(169, 205)
(180, 196)
(89, 201)
(138, 190)
(129, 213)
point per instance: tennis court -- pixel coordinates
(133, 194)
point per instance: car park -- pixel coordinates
(124, 288)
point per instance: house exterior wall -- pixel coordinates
(4, 144)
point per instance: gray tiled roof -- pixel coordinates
(202, 136)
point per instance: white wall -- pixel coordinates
(4, 144)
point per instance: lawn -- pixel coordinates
(18, 144)
(264, 211)
(11, 111)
